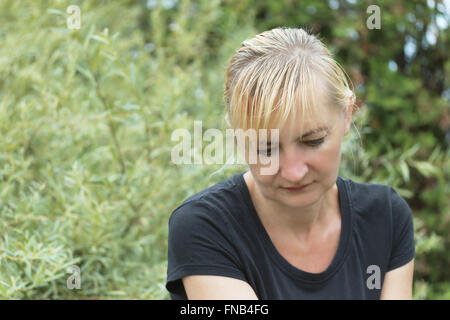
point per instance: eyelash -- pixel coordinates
(315, 143)
(312, 143)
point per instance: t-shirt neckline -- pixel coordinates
(294, 272)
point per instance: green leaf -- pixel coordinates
(404, 170)
(426, 168)
(87, 73)
(56, 11)
(99, 39)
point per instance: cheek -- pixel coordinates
(325, 156)
(334, 148)
(329, 156)
(329, 150)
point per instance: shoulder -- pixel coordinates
(382, 220)
(374, 198)
(366, 193)
(378, 210)
(211, 205)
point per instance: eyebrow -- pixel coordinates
(314, 131)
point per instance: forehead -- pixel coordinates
(319, 120)
(298, 124)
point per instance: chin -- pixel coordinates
(295, 200)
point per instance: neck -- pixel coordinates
(300, 222)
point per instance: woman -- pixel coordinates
(302, 232)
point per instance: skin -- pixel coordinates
(304, 225)
(304, 215)
(397, 283)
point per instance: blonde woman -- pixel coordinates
(302, 232)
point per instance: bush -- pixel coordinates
(87, 117)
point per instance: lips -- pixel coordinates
(297, 188)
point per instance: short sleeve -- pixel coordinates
(199, 243)
(403, 247)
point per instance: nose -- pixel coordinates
(293, 167)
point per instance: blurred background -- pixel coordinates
(86, 118)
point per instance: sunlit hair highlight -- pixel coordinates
(279, 73)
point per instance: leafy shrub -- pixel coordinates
(87, 117)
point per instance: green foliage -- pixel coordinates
(87, 117)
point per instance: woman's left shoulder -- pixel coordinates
(377, 198)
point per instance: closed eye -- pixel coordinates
(311, 143)
(315, 143)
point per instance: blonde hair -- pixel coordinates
(282, 70)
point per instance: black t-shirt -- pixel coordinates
(218, 232)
